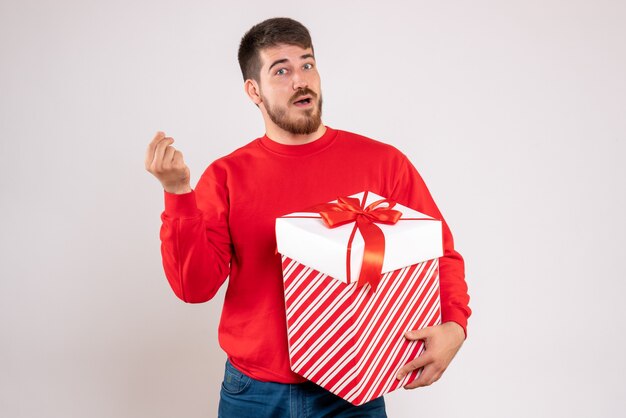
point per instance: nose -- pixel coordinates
(299, 80)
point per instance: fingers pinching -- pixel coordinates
(168, 156)
(166, 163)
(159, 153)
(177, 159)
(152, 147)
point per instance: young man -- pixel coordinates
(225, 228)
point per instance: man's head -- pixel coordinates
(278, 66)
(269, 33)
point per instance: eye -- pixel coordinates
(308, 66)
(282, 71)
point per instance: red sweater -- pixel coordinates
(225, 227)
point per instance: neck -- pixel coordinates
(281, 136)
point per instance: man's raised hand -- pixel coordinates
(166, 164)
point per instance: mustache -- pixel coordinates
(303, 92)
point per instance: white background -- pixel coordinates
(513, 112)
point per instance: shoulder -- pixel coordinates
(220, 168)
(372, 146)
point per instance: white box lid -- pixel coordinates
(303, 236)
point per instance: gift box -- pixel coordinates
(358, 273)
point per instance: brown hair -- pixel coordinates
(269, 33)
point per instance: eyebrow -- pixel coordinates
(281, 61)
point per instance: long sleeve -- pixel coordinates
(411, 191)
(195, 241)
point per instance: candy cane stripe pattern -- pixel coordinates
(350, 339)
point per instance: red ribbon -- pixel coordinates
(350, 209)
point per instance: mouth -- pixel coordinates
(304, 101)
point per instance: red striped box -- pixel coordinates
(350, 339)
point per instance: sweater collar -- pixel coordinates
(300, 150)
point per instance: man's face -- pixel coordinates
(290, 88)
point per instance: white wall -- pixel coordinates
(513, 111)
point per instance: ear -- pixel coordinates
(253, 91)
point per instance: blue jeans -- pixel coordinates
(242, 396)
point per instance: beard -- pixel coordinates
(304, 124)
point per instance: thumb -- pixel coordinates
(418, 334)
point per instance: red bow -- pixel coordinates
(349, 209)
